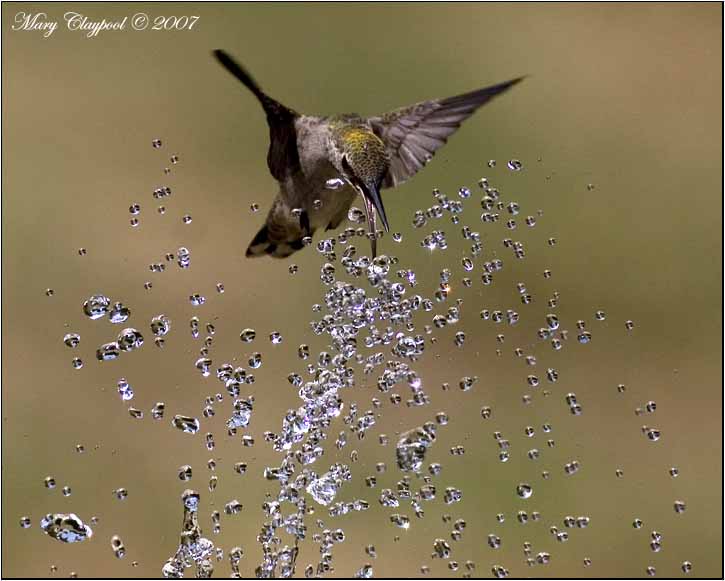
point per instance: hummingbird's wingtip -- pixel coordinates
(223, 57)
(517, 80)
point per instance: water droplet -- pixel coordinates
(400, 520)
(334, 184)
(248, 335)
(515, 165)
(356, 215)
(203, 364)
(117, 546)
(160, 325)
(197, 300)
(324, 489)
(233, 507)
(108, 351)
(653, 434)
(186, 424)
(129, 339)
(467, 383)
(96, 306)
(67, 528)
(452, 495)
(459, 339)
(118, 313)
(72, 340)
(157, 412)
(441, 549)
(524, 491)
(412, 446)
(255, 360)
(571, 467)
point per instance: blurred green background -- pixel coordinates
(626, 97)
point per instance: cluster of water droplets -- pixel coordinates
(194, 550)
(370, 318)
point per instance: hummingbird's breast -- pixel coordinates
(307, 189)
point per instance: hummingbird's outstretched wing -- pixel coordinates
(413, 134)
(283, 159)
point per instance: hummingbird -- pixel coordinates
(323, 163)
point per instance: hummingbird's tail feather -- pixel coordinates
(282, 234)
(262, 245)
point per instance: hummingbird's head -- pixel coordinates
(362, 161)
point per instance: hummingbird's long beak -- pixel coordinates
(372, 227)
(372, 195)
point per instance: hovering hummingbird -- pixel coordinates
(322, 163)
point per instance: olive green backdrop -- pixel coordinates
(626, 97)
